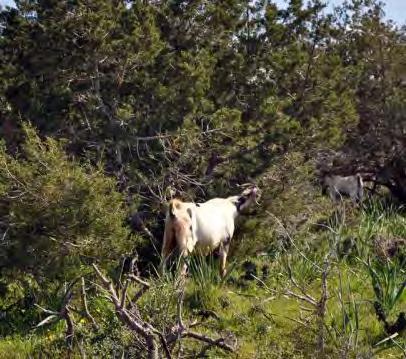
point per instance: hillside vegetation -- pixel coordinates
(110, 108)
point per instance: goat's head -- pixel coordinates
(175, 206)
(181, 218)
(247, 197)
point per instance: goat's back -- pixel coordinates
(215, 222)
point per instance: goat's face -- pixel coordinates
(183, 227)
(247, 197)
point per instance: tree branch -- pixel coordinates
(84, 301)
(142, 328)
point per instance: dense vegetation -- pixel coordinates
(110, 108)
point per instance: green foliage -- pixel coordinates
(381, 217)
(17, 348)
(58, 212)
(207, 282)
(347, 326)
(57, 217)
(135, 101)
(388, 282)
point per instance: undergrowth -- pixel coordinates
(254, 305)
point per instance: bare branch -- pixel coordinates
(322, 305)
(47, 311)
(123, 295)
(216, 342)
(161, 136)
(139, 280)
(182, 331)
(144, 288)
(84, 301)
(146, 330)
(301, 297)
(64, 313)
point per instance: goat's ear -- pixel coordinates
(234, 199)
(240, 201)
(189, 212)
(171, 210)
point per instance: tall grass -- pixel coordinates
(378, 217)
(207, 282)
(206, 270)
(388, 281)
(345, 328)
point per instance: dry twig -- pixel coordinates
(145, 329)
(84, 301)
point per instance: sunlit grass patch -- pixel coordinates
(17, 347)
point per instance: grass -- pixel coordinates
(17, 348)
(388, 282)
(266, 321)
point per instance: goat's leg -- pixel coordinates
(185, 248)
(183, 271)
(332, 194)
(223, 259)
(169, 243)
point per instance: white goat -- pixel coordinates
(204, 226)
